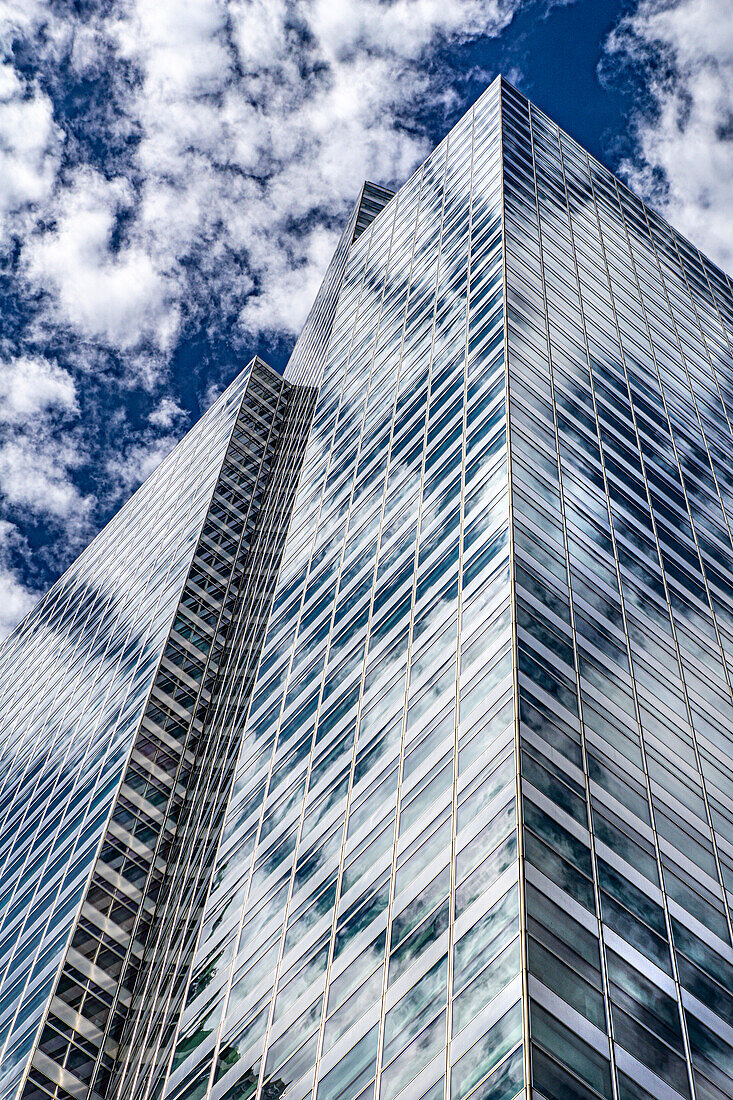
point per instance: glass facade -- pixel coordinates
(620, 381)
(131, 938)
(77, 674)
(411, 775)
(364, 907)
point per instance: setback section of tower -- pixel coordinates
(131, 943)
(77, 673)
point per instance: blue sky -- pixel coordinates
(174, 174)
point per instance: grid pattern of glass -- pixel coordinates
(373, 198)
(305, 366)
(362, 934)
(168, 956)
(620, 387)
(77, 672)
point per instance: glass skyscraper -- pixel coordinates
(381, 748)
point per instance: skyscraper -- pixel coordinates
(382, 745)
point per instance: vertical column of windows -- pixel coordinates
(356, 954)
(602, 656)
(486, 1056)
(709, 690)
(411, 1033)
(659, 707)
(307, 922)
(380, 722)
(654, 656)
(361, 910)
(681, 562)
(654, 1038)
(238, 674)
(560, 875)
(611, 441)
(262, 530)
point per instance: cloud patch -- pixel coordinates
(16, 597)
(31, 386)
(113, 293)
(39, 448)
(683, 53)
(40, 455)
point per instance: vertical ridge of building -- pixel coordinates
(613, 391)
(521, 886)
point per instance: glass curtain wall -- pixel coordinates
(362, 934)
(620, 376)
(457, 819)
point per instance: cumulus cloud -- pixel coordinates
(16, 598)
(684, 53)
(135, 461)
(167, 414)
(30, 386)
(30, 140)
(29, 147)
(115, 295)
(35, 473)
(39, 455)
(39, 451)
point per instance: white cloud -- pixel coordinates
(36, 474)
(39, 447)
(30, 140)
(685, 145)
(405, 28)
(167, 414)
(16, 598)
(118, 297)
(29, 149)
(30, 386)
(128, 471)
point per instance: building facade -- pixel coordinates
(394, 757)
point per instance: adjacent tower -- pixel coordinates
(380, 748)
